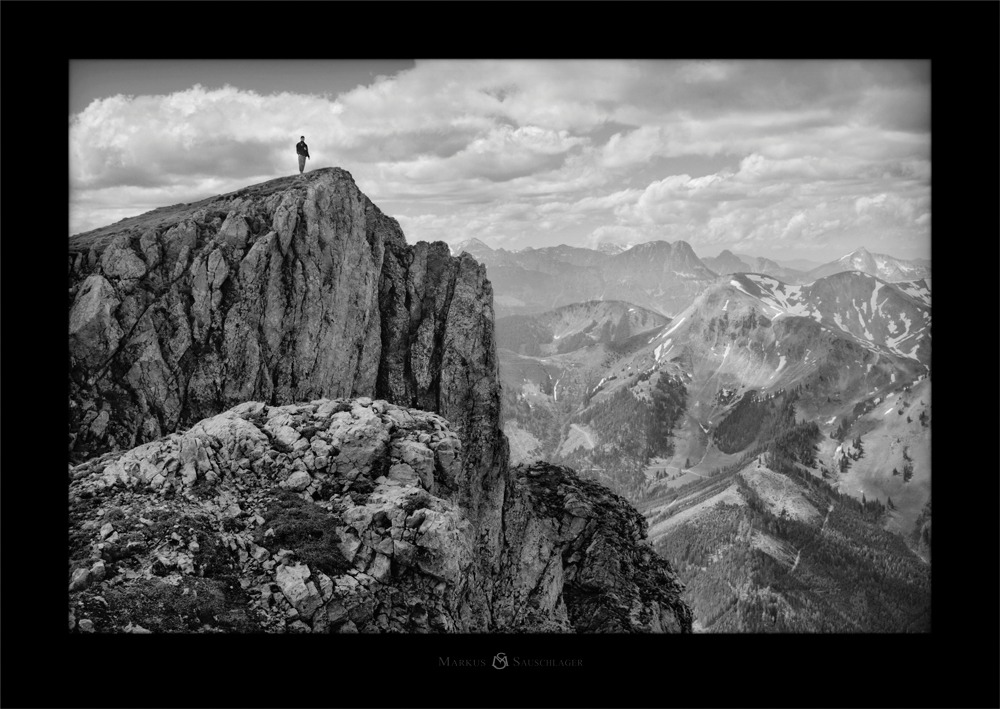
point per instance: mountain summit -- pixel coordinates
(885, 267)
(286, 418)
(657, 275)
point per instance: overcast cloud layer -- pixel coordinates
(778, 159)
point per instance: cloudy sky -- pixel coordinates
(783, 159)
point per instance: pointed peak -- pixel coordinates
(607, 247)
(471, 243)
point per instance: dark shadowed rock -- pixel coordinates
(576, 556)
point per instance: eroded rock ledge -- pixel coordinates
(341, 516)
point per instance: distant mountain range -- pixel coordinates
(890, 318)
(799, 264)
(885, 267)
(728, 262)
(612, 249)
(770, 420)
(574, 326)
(847, 339)
(656, 275)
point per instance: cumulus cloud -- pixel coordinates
(533, 152)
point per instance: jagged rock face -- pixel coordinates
(281, 293)
(332, 516)
(439, 354)
(294, 290)
(576, 559)
(338, 516)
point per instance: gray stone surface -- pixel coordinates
(297, 337)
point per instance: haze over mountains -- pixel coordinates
(885, 267)
(574, 326)
(655, 275)
(727, 262)
(658, 275)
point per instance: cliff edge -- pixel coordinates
(193, 328)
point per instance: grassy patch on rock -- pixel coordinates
(188, 606)
(306, 529)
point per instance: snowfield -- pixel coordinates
(916, 292)
(876, 308)
(894, 343)
(783, 297)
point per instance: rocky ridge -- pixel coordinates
(656, 275)
(331, 515)
(286, 291)
(212, 315)
(342, 516)
(881, 265)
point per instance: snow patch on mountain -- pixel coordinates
(875, 306)
(894, 343)
(918, 293)
(659, 349)
(676, 325)
(738, 286)
(783, 297)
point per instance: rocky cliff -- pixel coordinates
(301, 290)
(288, 291)
(344, 516)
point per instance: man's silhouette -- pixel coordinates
(303, 150)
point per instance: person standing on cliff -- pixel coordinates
(303, 150)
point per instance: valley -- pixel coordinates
(776, 437)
